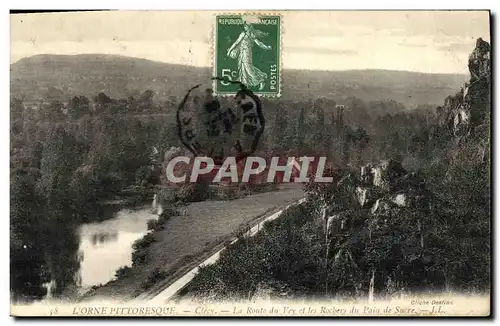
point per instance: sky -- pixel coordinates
(423, 41)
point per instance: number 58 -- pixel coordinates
(229, 74)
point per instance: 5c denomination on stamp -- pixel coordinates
(247, 49)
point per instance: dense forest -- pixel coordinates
(68, 155)
(417, 222)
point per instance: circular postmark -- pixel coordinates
(220, 128)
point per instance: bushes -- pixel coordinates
(122, 272)
(159, 224)
(144, 242)
(288, 252)
(138, 257)
(168, 196)
(153, 224)
(169, 212)
(225, 192)
(194, 192)
(155, 276)
(140, 246)
(95, 287)
(143, 175)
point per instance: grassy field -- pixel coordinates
(188, 239)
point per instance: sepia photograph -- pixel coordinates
(250, 163)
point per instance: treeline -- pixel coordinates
(65, 157)
(53, 108)
(440, 245)
(437, 240)
(61, 171)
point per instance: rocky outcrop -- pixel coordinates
(384, 196)
(469, 107)
(385, 219)
(381, 188)
(478, 94)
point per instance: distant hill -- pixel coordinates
(119, 77)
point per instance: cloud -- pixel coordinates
(413, 45)
(315, 50)
(396, 32)
(420, 23)
(457, 47)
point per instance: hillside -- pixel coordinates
(120, 76)
(381, 230)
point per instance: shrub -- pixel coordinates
(144, 242)
(194, 192)
(139, 257)
(226, 192)
(168, 212)
(155, 276)
(153, 224)
(122, 272)
(288, 253)
(140, 246)
(97, 286)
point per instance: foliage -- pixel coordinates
(154, 277)
(287, 251)
(194, 192)
(279, 128)
(122, 272)
(28, 269)
(67, 156)
(153, 224)
(440, 243)
(140, 246)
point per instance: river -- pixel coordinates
(107, 245)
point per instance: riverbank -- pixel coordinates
(185, 240)
(128, 198)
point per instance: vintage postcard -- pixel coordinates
(252, 163)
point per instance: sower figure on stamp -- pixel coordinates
(241, 50)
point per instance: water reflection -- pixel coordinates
(103, 237)
(107, 245)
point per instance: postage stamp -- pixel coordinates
(247, 49)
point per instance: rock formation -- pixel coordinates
(378, 217)
(365, 208)
(469, 107)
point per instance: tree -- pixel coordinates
(27, 264)
(357, 112)
(145, 101)
(318, 130)
(357, 137)
(52, 111)
(54, 94)
(16, 109)
(280, 128)
(78, 106)
(300, 136)
(361, 140)
(60, 221)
